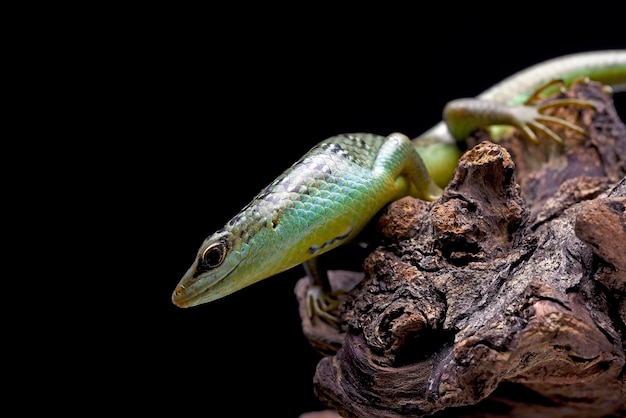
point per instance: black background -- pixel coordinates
(210, 107)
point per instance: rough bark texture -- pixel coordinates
(506, 297)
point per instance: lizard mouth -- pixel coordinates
(181, 298)
(191, 291)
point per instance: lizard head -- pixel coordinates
(208, 277)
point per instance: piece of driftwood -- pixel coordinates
(506, 297)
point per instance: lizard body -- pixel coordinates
(322, 201)
(327, 197)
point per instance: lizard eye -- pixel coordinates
(213, 256)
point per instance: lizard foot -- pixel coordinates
(320, 303)
(530, 119)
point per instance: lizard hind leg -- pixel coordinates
(536, 121)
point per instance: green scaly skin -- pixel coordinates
(326, 198)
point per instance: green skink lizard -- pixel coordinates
(326, 198)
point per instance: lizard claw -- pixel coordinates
(530, 118)
(320, 303)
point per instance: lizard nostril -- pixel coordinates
(179, 290)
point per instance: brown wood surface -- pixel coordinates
(506, 297)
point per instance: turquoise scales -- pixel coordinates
(331, 193)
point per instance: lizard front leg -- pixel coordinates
(320, 299)
(396, 171)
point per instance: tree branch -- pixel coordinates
(505, 296)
